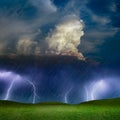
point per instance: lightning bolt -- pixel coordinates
(9, 90)
(34, 91)
(8, 93)
(87, 94)
(66, 95)
(90, 91)
(8, 76)
(94, 88)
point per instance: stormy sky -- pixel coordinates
(31, 29)
(31, 26)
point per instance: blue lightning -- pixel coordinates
(9, 90)
(8, 77)
(66, 95)
(87, 94)
(34, 91)
(92, 90)
(8, 93)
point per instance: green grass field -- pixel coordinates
(94, 110)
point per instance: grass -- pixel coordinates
(94, 110)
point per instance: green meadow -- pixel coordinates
(94, 110)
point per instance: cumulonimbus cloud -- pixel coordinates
(65, 38)
(24, 36)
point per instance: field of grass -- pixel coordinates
(94, 110)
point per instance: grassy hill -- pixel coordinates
(94, 110)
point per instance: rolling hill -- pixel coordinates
(93, 110)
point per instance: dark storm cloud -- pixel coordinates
(26, 24)
(21, 20)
